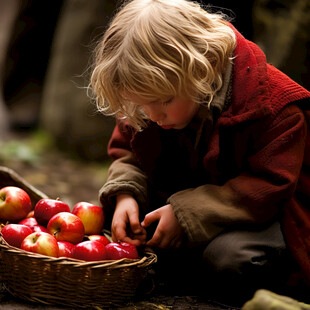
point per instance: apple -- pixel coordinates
(119, 250)
(65, 226)
(41, 243)
(65, 248)
(89, 251)
(15, 203)
(37, 228)
(46, 208)
(99, 238)
(33, 224)
(14, 234)
(91, 215)
(29, 221)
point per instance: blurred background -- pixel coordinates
(50, 131)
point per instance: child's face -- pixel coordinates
(176, 113)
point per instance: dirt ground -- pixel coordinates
(56, 174)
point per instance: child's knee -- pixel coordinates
(245, 252)
(223, 256)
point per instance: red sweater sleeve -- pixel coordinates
(119, 144)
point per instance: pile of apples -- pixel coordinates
(52, 229)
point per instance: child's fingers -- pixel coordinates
(134, 222)
(135, 242)
(121, 235)
(140, 236)
(150, 218)
(156, 240)
(118, 233)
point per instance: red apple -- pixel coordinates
(42, 243)
(65, 249)
(14, 234)
(33, 224)
(15, 203)
(91, 215)
(89, 251)
(29, 221)
(46, 208)
(99, 238)
(37, 228)
(65, 226)
(118, 250)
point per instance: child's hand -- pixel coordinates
(125, 223)
(169, 233)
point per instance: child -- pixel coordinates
(209, 143)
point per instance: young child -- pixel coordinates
(210, 143)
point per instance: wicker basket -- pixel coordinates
(65, 281)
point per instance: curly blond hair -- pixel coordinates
(158, 49)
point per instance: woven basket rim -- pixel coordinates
(149, 258)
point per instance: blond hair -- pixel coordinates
(158, 49)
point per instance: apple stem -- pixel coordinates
(56, 232)
(3, 197)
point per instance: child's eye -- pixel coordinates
(168, 101)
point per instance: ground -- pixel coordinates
(53, 172)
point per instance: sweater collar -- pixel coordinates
(222, 98)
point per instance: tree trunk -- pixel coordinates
(67, 112)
